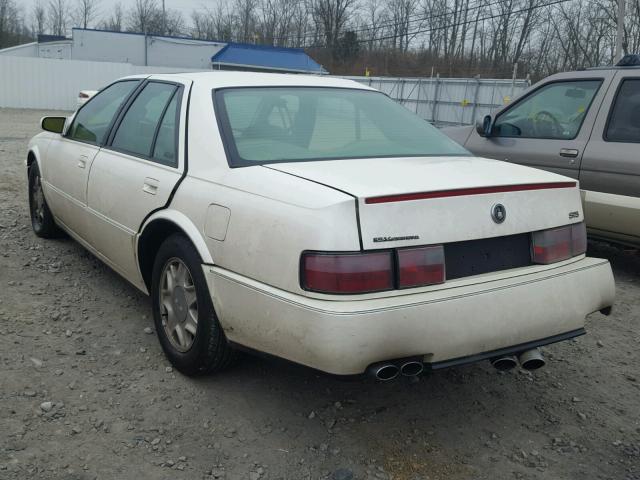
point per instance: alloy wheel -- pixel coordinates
(37, 200)
(178, 304)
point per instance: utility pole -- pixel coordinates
(620, 32)
(514, 76)
(164, 19)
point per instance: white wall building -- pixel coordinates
(140, 49)
(163, 51)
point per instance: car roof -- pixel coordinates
(224, 79)
(611, 67)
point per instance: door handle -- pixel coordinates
(82, 161)
(569, 152)
(150, 186)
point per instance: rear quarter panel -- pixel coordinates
(271, 218)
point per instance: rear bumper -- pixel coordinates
(445, 326)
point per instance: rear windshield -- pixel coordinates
(288, 124)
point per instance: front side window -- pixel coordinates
(624, 123)
(93, 120)
(287, 124)
(555, 111)
(137, 129)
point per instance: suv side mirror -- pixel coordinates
(53, 124)
(484, 127)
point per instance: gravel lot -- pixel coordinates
(85, 391)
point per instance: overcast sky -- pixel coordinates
(104, 6)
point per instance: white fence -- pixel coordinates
(448, 101)
(54, 84)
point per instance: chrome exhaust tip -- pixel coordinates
(412, 368)
(504, 363)
(531, 359)
(384, 371)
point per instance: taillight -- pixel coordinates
(347, 273)
(421, 266)
(83, 95)
(579, 238)
(557, 244)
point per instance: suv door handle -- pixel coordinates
(82, 161)
(569, 152)
(150, 186)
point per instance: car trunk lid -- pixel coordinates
(428, 200)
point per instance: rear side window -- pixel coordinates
(164, 151)
(624, 123)
(93, 120)
(137, 130)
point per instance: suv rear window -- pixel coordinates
(624, 123)
(286, 124)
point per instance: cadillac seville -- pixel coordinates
(317, 220)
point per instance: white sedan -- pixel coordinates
(84, 96)
(314, 219)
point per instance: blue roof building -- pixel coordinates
(243, 56)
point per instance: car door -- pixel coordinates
(549, 127)
(69, 157)
(135, 172)
(610, 173)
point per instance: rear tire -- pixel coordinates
(42, 220)
(185, 320)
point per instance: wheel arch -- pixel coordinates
(156, 229)
(32, 157)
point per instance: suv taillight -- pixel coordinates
(557, 244)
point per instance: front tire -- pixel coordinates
(185, 320)
(42, 220)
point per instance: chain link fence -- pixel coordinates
(448, 101)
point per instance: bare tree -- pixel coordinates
(203, 24)
(299, 25)
(375, 18)
(331, 17)
(39, 18)
(400, 14)
(246, 14)
(58, 16)
(454, 37)
(224, 22)
(174, 23)
(277, 22)
(114, 22)
(86, 11)
(142, 16)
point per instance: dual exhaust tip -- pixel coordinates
(529, 360)
(385, 371)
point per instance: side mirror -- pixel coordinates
(485, 127)
(53, 124)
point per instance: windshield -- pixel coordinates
(287, 124)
